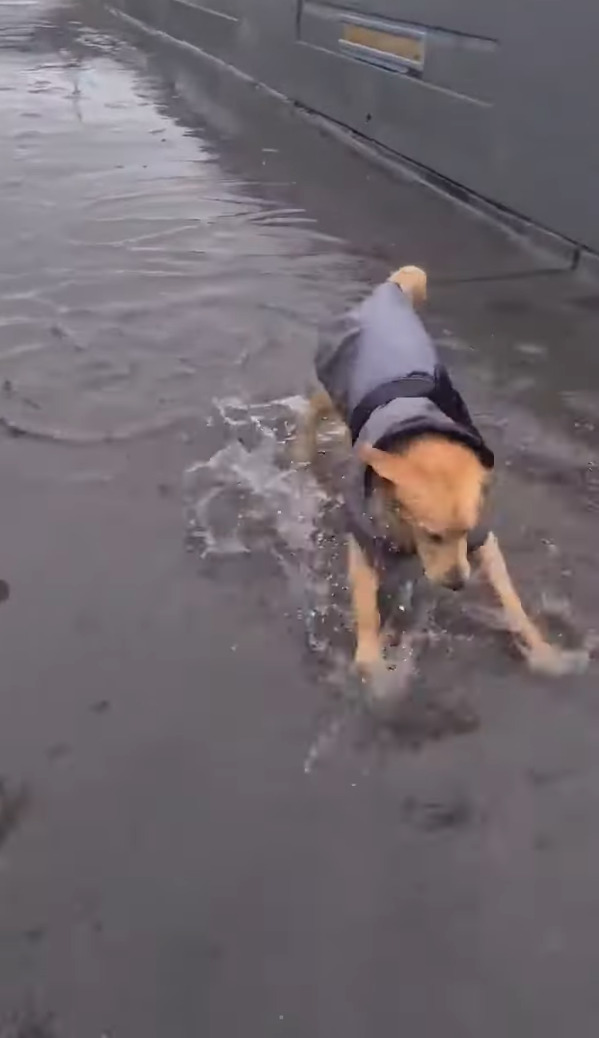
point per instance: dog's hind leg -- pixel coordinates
(538, 652)
(320, 407)
(364, 587)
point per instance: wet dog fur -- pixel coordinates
(432, 490)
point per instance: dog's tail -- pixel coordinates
(412, 281)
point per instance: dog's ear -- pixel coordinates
(387, 466)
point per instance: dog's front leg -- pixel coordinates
(364, 586)
(538, 652)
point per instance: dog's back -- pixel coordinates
(381, 342)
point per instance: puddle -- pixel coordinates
(252, 515)
(250, 512)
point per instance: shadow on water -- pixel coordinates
(30, 1024)
(15, 802)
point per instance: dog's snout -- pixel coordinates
(455, 580)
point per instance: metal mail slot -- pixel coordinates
(403, 48)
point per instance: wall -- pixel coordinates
(496, 97)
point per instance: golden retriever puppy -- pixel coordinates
(420, 466)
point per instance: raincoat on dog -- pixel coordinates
(386, 380)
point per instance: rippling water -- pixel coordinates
(146, 277)
(135, 272)
(143, 281)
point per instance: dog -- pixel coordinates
(421, 469)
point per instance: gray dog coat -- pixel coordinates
(385, 378)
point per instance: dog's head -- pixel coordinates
(438, 486)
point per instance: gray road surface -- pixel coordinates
(202, 833)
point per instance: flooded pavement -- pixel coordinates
(202, 830)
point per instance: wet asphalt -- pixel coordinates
(202, 832)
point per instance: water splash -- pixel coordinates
(246, 496)
(247, 501)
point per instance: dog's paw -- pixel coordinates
(384, 685)
(368, 660)
(555, 662)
